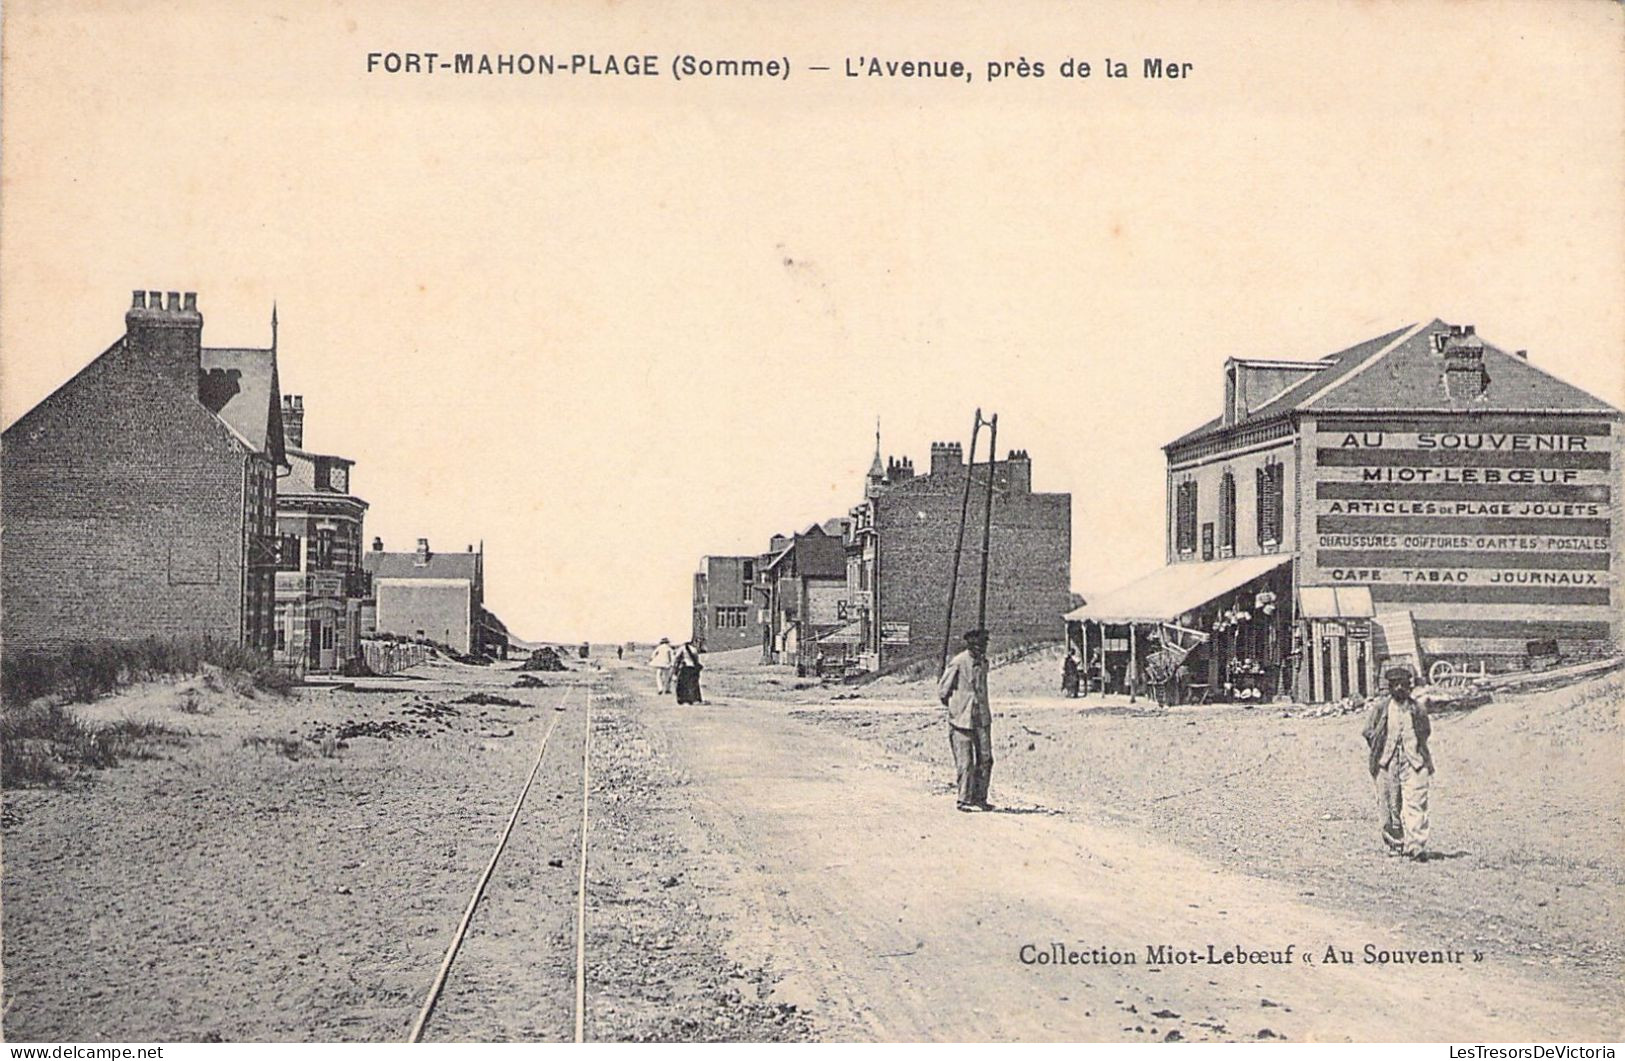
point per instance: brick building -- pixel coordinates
(802, 590)
(900, 557)
(1421, 496)
(726, 613)
(321, 587)
(438, 596)
(139, 498)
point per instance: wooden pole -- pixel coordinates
(959, 545)
(1133, 660)
(987, 520)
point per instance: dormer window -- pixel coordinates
(332, 475)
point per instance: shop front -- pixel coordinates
(1199, 632)
(1334, 640)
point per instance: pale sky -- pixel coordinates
(611, 325)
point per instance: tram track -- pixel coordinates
(513, 873)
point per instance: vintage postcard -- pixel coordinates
(786, 522)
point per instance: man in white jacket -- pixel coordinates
(963, 691)
(661, 661)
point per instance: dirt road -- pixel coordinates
(752, 875)
(890, 916)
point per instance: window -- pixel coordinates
(731, 618)
(1271, 501)
(1185, 518)
(321, 557)
(1207, 541)
(287, 552)
(1227, 515)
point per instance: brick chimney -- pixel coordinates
(423, 553)
(1464, 374)
(293, 421)
(1019, 469)
(378, 545)
(169, 338)
(946, 455)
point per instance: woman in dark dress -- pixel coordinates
(688, 674)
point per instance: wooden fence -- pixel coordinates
(392, 657)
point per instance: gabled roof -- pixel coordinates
(1402, 372)
(240, 387)
(836, 526)
(1409, 377)
(405, 565)
(1343, 363)
(816, 555)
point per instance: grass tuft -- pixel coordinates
(44, 743)
(82, 672)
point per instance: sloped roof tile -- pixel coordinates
(405, 565)
(240, 387)
(1401, 371)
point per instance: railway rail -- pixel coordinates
(448, 960)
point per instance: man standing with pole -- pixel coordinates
(963, 691)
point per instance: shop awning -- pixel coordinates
(1335, 602)
(1166, 594)
(850, 634)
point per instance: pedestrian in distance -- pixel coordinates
(963, 691)
(1069, 674)
(661, 661)
(1396, 735)
(688, 674)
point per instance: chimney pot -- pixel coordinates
(190, 302)
(170, 342)
(378, 545)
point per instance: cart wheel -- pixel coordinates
(1441, 672)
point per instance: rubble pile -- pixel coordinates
(544, 658)
(421, 717)
(489, 700)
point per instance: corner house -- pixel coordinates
(1420, 497)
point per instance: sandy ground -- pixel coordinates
(1527, 824)
(225, 891)
(780, 864)
(1527, 860)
